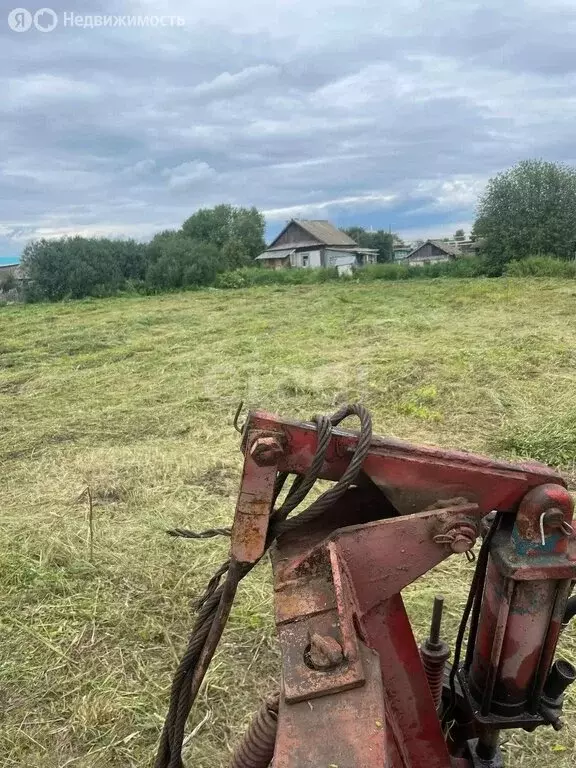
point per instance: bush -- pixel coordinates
(464, 267)
(541, 266)
(76, 267)
(178, 262)
(385, 272)
(8, 283)
(528, 209)
(242, 278)
(250, 276)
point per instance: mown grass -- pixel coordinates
(134, 397)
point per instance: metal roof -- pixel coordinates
(278, 254)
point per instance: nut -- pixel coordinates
(324, 652)
(265, 451)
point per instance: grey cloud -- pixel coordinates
(397, 112)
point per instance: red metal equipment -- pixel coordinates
(356, 690)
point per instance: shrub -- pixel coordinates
(75, 267)
(7, 283)
(249, 276)
(178, 262)
(541, 266)
(385, 272)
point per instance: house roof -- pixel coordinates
(448, 249)
(277, 254)
(321, 230)
(298, 245)
(325, 232)
(451, 250)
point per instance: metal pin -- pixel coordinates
(542, 534)
(436, 623)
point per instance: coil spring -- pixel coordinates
(434, 669)
(256, 749)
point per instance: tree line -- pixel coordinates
(525, 212)
(209, 242)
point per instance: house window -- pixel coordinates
(305, 259)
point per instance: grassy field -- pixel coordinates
(134, 398)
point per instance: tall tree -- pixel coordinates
(459, 235)
(529, 209)
(238, 230)
(380, 240)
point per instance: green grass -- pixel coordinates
(134, 397)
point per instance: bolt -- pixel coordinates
(265, 451)
(325, 652)
(461, 537)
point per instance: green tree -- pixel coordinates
(528, 210)
(459, 235)
(74, 267)
(176, 262)
(380, 240)
(240, 230)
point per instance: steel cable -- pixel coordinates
(216, 602)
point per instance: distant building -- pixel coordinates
(400, 252)
(9, 270)
(317, 243)
(432, 252)
(10, 282)
(468, 246)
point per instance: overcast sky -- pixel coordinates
(383, 113)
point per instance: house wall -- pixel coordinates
(427, 254)
(307, 258)
(294, 234)
(366, 258)
(338, 258)
(401, 253)
(275, 263)
(9, 269)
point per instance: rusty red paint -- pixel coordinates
(537, 503)
(347, 730)
(371, 705)
(412, 476)
(253, 509)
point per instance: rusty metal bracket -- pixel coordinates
(354, 690)
(256, 497)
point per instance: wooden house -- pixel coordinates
(432, 252)
(318, 243)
